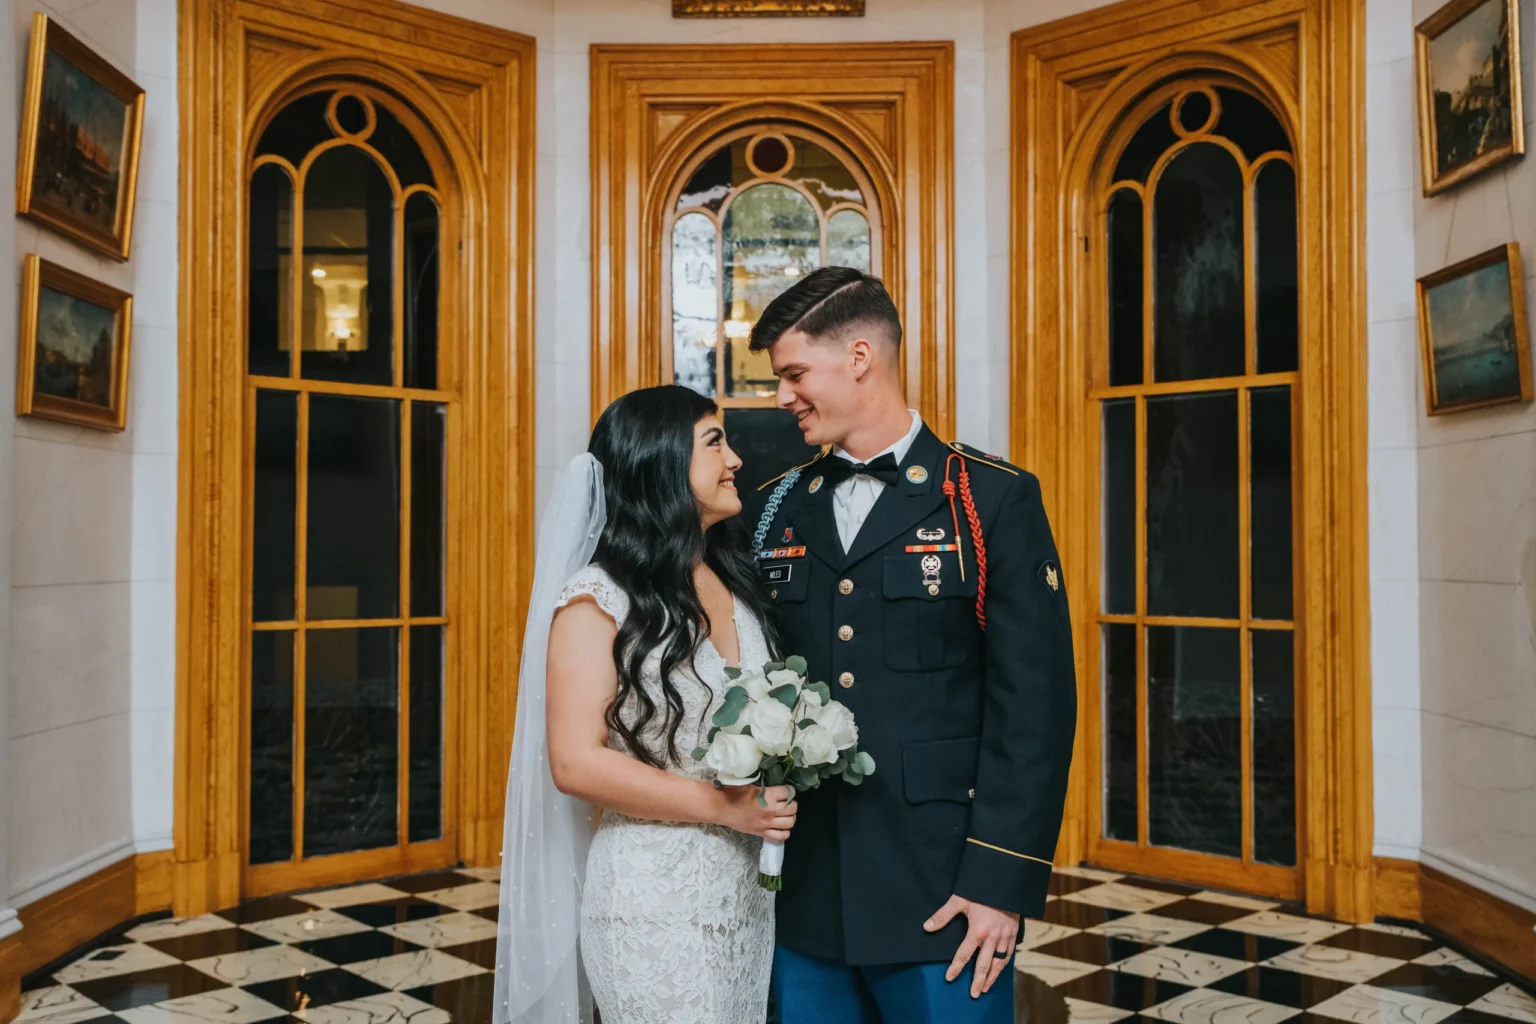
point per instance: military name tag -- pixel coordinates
(776, 574)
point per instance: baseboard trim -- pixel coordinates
(57, 923)
(152, 881)
(1488, 925)
(10, 977)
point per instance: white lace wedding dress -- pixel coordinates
(674, 927)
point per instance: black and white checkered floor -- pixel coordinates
(422, 950)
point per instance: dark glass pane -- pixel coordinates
(298, 128)
(1248, 121)
(1192, 505)
(721, 172)
(1194, 111)
(1127, 276)
(269, 313)
(1270, 469)
(1274, 747)
(351, 739)
(426, 764)
(354, 508)
(1274, 219)
(1120, 506)
(429, 437)
(1151, 141)
(349, 266)
(421, 280)
(1194, 742)
(768, 442)
(824, 176)
(770, 155)
(1121, 798)
(271, 747)
(273, 514)
(400, 148)
(1197, 268)
(351, 114)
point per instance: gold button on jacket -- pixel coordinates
(845, 632)
(845, 680)
(845, 586)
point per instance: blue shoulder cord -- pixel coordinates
(772, 509)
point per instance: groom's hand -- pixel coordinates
(990, 931)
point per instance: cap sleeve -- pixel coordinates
(595, 583)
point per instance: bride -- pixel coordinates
(645, 590)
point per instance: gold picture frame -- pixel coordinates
(1467, 64)
(767, 8)
(72, 353)
(1472, 333)
(81, 125)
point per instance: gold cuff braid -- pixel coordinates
(1021, 856)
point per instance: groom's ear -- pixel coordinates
(861, 357)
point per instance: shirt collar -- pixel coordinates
(899, 449)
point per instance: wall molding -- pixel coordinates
(79, 912)
(1070, 79)
(70, 872)
(1482, 921)
(1489, 880)
(890, 104)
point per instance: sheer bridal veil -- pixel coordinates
(539, 979)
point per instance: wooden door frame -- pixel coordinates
(1071, 79)
(890, 104)
(475, 86)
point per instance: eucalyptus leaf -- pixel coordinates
(699, 752)
(821, 690)
(795, 664)
(736, 700)
(865, 763)
(731, 672)
(772, 666)
(799, 757)
(804, 722)
(852, 779)
(788, 695)
(746, 730)
(713, 732)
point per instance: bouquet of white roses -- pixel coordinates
(777, 729)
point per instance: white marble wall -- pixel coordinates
(9, 97)
(1394, 401)
(92, 525)
(1477, 559)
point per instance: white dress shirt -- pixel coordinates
(855, 496)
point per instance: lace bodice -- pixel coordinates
(702, 694)
(675, 928)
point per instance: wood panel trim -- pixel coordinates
(474, 84)
(1397, 889)
(77, 913)
(1494, 929)
(152, 881)
(635, 154)
(10, 977)
(1070, 78)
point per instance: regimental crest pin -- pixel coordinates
(1050, 575)
(916, 474)
(789, 535)
(937, 533)
(815, 486)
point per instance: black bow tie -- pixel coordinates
(882, 468)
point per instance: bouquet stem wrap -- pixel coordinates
(770, 866)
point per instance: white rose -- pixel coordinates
(734, 759)
(837, 720)
(754, 683)
(772, 726)
(816, 745)
(783, 677)
(811, 697)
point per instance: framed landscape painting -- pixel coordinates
(72, 359)
(81, 124)
(1473, 334)
(1468, 67)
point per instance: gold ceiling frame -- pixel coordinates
(891, 105)
(473, 87)
(1073, 81)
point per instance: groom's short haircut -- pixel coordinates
(829, 305)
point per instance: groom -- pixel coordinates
(921, 580)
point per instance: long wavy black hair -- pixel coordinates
(653, 541)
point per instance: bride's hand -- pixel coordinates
(743, 813)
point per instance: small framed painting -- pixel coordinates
(1473, 334)
(72, 360)
(81, 124)
(1468, 64)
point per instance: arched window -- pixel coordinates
(755, 210)
(349, 411)
(1196, 392)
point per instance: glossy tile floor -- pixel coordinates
(422, 950)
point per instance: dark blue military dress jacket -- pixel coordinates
(971, 730)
